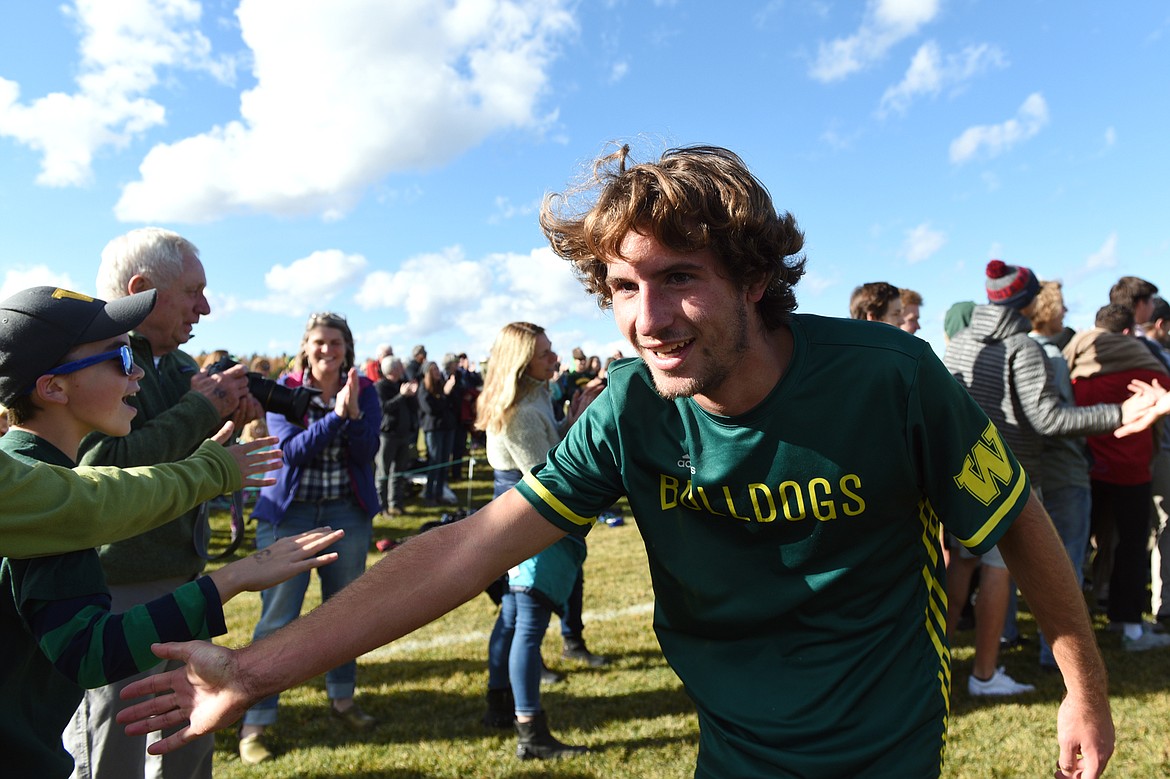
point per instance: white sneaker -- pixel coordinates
(999, 684)
(1145, 642)
(448, 496)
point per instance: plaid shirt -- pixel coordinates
(325, 478)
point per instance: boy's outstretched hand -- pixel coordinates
(276, 563)
(253, 458)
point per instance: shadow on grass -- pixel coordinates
(413, 716)
(1130, 675)
(558, 770)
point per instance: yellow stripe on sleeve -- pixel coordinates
(554, 503)
(1007, 505)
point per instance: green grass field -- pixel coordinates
(428, 692)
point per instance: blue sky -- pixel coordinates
(386, 159)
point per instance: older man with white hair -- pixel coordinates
(178, 406)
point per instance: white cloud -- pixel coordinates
(994, 139)
(537, 287)
(1102, 259)
(347, 93)
(431, 289)
(922, 243)
(1110, 137)
(308, 283)
(885, 24)
(445, 289)
(930, 73)
(34, 276)
(816, 283)
(618, 71)
(123, 48)
(506, 209)
(1105, 257)
(321, 273)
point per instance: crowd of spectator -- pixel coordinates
(1057, 396)
(370, 432)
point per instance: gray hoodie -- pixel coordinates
(1008, 375)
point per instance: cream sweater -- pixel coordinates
(533, 430)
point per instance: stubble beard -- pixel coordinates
(716, 369)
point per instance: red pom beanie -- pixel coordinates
(1011, 285)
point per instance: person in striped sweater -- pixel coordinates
(67, 371)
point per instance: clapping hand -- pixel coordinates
(346, 405)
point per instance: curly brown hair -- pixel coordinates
(693, 198)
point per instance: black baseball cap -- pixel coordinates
(40, 325)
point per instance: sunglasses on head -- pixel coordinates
(122, 353)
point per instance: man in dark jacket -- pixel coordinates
(398, 446)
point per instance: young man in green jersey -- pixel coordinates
(792, 529)
(67, 371)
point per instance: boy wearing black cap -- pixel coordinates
(65, 371)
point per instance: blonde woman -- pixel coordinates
(515, 410)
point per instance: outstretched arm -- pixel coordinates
(1037, 560)
(1148, 404)
(51, 510)
(274, 564)
(427, 577)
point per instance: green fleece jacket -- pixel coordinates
(50, 510)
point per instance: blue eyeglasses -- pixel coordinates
(122, 353)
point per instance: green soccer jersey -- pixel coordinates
(794, 549)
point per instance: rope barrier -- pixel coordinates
(470, 472)
(447, 464)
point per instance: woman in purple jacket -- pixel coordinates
(327, 479)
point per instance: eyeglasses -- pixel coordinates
(122, 353)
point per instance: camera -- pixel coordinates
(293, 402)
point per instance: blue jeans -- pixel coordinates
(514, 646)
(1069, 508)
(500, 642)
(524, 663)
(571, 624)
(439, 444)
(282, 603)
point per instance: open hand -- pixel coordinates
(1148, 403)
(276, 563)
(253, 458)
(205, 694)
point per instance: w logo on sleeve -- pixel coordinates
(987, 468)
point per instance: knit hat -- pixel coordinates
(40, 325)
(958, 317)
(1011, 285)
